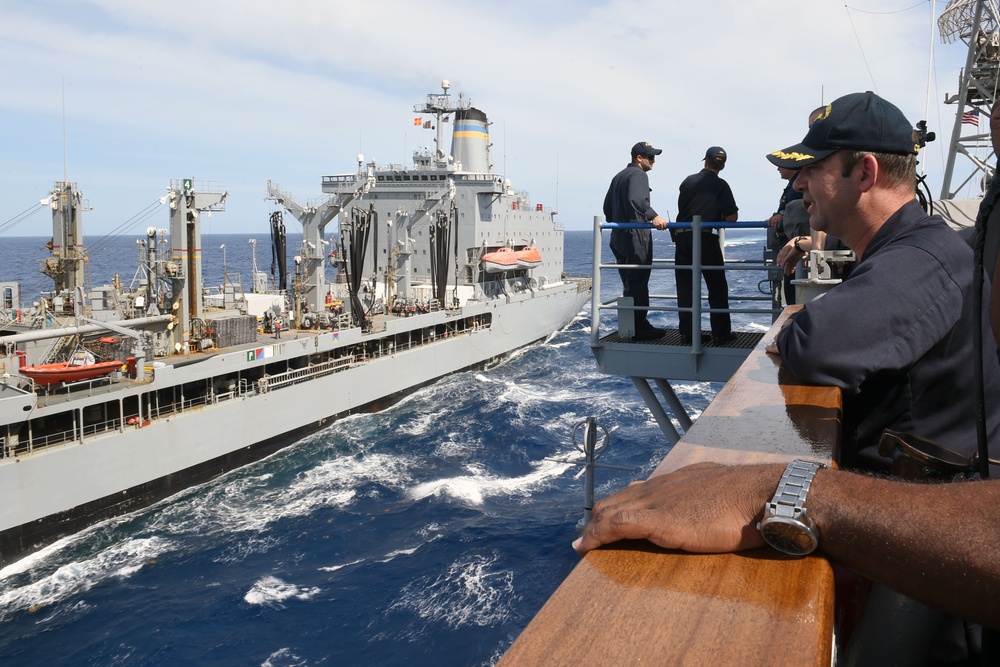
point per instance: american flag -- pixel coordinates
(971, 117)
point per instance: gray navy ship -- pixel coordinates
(117, 396)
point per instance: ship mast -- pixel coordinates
(187, 203)
(67, 263)
(976, 23)
(440, 104)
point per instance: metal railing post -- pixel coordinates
(595, 292)
(696, 285)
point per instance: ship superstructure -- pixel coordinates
(428, 224)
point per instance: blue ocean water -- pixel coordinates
(427, 534)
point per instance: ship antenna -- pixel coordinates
(65, 158)
(505, 147)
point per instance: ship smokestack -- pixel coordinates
(470, 143)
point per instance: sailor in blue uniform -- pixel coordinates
(894, 336)
(628, 201)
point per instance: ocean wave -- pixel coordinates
(331, 483)
(475, 487)
(422, 423)
(334, 568)
(450, 448)
(522, 392)
(118, 560)
(470, 592)
(429, 533)
(284, 657)
(272, 592)
(737, 243)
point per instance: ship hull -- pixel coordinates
(55, 491)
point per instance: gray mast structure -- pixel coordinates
(314, 219)
(976, 23)
(66, 266)
(440, 104)
(184, 268)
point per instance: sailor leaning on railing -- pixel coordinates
(897, 338)
(627, 200)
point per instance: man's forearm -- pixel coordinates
(894, 532)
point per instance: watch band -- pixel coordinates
(793, 487)
(786, 525)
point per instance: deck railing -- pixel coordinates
(297, 375)
(658, 302)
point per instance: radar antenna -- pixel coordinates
(441, 104)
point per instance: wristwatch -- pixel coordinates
(798, 239)
(786, 525)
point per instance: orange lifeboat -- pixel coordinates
(500, 260)
(81, 367)
(528, 257)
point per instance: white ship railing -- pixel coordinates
(287, 378)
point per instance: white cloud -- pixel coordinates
(243, 92)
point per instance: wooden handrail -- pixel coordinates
(634, 603)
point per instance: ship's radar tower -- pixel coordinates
(67, 263)
(976, 23)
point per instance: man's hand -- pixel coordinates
(772, 347)
(702, 508)
(659, 222)
(788, 256)
(775, 220)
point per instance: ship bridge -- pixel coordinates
(650, 363)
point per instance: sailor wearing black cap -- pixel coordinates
(896, 336)
(706, 195)
(628, 201)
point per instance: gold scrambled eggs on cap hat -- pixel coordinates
(859, 121)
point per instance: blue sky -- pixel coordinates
(241, 92)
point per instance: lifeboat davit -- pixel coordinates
(80, 367)
(528, 257)
(500, 260)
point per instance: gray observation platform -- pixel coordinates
(650, 363)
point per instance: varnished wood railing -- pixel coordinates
(636, 604)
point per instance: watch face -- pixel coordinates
(789, 535)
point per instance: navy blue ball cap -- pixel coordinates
(645, 148)
(716, 154)
(859, 121)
